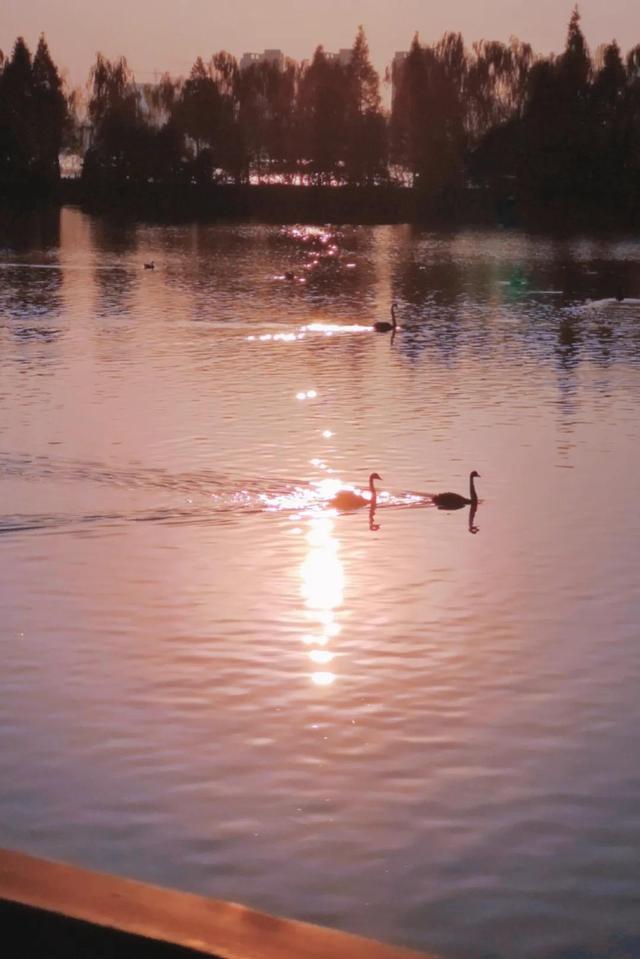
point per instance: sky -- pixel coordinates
(158, 35)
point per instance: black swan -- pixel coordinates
(382, 326)
(150, 265)
(348, 499)
(455, 500)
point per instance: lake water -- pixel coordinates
(212, 680)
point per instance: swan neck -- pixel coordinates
(393, 316)
(473, 496)
(373, 491)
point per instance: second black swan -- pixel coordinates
(455, 500)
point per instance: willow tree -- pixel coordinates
(496, 85)
(122, 145)
(428, 123)
(196, 114)
(497, 88)
(223, 67)
(114, 105)
(280, 98)
(266, 94)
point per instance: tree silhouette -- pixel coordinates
(224, 69)
(429, 116)
(34, 119)
(17, 141)
(555, 157)
(365, 129)
(197, 115)
(50, 113)
(322, 118)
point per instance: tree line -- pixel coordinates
(319, 122)
(560, 131)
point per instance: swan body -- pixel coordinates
(450, 501)
(150, 265)
(348, 499)
(455, 500)
(383, 327)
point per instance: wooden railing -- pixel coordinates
(58, 911)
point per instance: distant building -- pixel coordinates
(269, 56)
(343, 57)
(248, 59)
(274, 56)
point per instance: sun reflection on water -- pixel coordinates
(322, 589)
(323, 679)
(326, 329)
(335, 328)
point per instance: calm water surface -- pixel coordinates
(211, 680)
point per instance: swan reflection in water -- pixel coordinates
(472, 515)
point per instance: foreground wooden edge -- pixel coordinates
(213, 927)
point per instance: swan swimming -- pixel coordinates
(455, 500)
(382, 326)
(349, 499)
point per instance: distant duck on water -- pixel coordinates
(150, 265)
(349, 499)
(455, 500)
(382, 326)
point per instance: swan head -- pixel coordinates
(375, 476)
(475, 474)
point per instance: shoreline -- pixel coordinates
(179, 202)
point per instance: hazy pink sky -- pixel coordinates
(169, 34)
